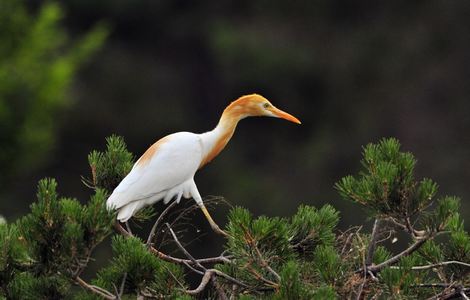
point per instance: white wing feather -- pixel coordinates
(174, 163)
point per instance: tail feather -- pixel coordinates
(127, 211)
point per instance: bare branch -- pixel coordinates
(121, 289)
(95, 289)
(204, 281)
(229, 278)
(218, 288)
(372, 243)
(159, 219)
(441, 264)
(184, 249)
(364, 265)
(264, 263)
(209, 260)
(416, 234)
(397, 257)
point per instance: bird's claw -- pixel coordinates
(217, 230)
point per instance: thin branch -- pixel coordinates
(441, 264)
(264, 263)
(350, 236)
(229, 278)
(451, 291)
(128, 227)
(364, 265)
(193, 269)
(260, 277)
(184, 249)
(390, 232)
(416, 234)
(121, 289)
(432, 285)
(174, 277)
(209, 260)
(416, 245)
(95, 289)
(204, 281)
(373, 242)
(159, 219)
(218, 288)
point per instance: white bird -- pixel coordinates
(166, 170)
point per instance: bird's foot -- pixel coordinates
(217, 230)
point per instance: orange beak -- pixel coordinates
(282, 114)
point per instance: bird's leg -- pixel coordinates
(197, 197)
(128, 227)
(214, 225)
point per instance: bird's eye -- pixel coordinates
(266, 105)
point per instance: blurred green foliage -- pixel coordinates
(38, 62)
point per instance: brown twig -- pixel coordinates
(451, 291)
(184, 249)
(204, 281)
(95, 289)
(416, 234)
(208, 273)
(159, 219)
(265, 264)
(372, 243)
(415, 246)
(166, 257)
(441, 264)
(364, 268)
(218, 288)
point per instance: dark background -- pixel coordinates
(352, 72)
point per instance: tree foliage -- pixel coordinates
(43, 254)
(38, 64)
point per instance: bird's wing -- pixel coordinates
(169, 162)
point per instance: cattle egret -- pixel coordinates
(166, 170)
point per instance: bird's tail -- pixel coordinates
(127, 211)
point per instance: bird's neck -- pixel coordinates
(214, 141)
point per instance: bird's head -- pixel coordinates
(255, 105)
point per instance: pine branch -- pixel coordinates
(202, 286)
(182, 261)
(208, 273)
(184, 249)
(441, 264)
(416, 245)
(451, 291)
(373, 242)
(160, 217)
(417, 234)
(95, 289)
(264, 263)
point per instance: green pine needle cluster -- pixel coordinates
(108, 168)
(284, 258)
(43, 250)
(386, 185)
(137, 271)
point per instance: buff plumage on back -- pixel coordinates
(167, 165)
